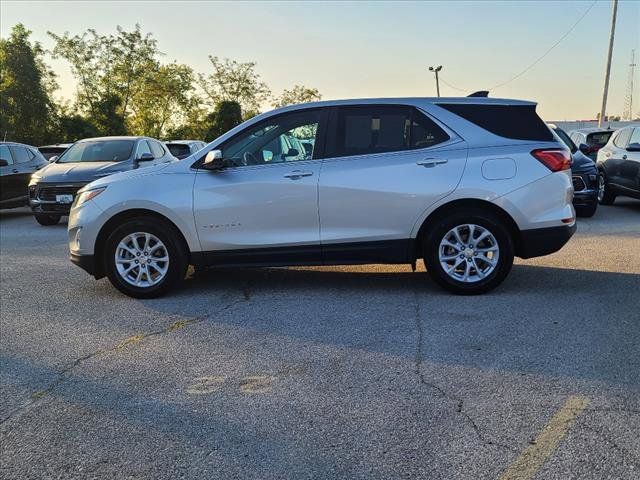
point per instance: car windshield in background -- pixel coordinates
(599, 138)
(98, 151)
(179, 150)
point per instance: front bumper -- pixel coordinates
(85, 262)
(543, 241)
(585, 188)
(43, 197)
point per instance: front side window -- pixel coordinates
(20, 154)
(275, 141)
(98, 151)
(363, 130)
(143, 147)
(5, 154)
(156, 149)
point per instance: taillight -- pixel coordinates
(555, 159)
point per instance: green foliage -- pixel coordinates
(123, 88)
(25, 87)
(236, 82)
(227, 115)
(298, 94)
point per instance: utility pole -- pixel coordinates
(628, 100)
(436, 70)
(603, 109)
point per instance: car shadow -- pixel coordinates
(545, 320)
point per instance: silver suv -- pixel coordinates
(464, 183)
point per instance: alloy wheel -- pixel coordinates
(468, 253)
(142, 260)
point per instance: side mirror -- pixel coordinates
(584, 148)
(145, 157)
(213, 160)
(53, 159)
(3, 163)
(633, 147)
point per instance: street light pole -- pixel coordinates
(436, 70)
(605, 92)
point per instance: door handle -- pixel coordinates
(624, 157)
(431, 162)
(296, 174)
(15, 170)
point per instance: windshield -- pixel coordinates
(98, 151)
(179, 150)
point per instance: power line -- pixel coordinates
(535, 62)
(548, 50)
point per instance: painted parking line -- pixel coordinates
(532, 458)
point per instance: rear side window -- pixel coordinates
(635, 137)
(598, 138)
(179, 149)
(5, 154)
(363, 130)
(519, 122)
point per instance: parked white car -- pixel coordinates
(464, 183)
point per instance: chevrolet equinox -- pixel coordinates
(465, 184)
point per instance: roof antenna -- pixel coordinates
(480, 93)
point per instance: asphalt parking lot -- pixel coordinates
(367, 372)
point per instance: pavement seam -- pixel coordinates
(63, 375)
(632, 458)
(441, 392)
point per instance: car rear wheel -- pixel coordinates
(605, 195)
(468, 253)
(47, 219)
(145, 258)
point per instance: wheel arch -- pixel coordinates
(464, 204)
(122, 217)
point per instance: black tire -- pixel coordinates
(175, 249)
(47, 219)
(588, 211)
(487, 220)
(608, 196)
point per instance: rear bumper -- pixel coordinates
(543, 241)
(85, 262)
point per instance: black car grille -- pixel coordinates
(48, 193)
(578, 183)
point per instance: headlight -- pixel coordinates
(87, 195)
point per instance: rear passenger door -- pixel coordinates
(385, 165)
(631, 162)
(25, 163)
(7, 176)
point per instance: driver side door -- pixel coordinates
(263, 207)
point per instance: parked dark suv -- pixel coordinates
(584, 176)
(53, 189)
(619, 165)
(17, 163)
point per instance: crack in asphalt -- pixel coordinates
(631, 457)
(63, 375)
(440, 391)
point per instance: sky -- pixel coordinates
(378, 49)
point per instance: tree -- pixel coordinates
(227, 115)
(25, 88)
(298, 94)
(163, 101)
(108, 66)
(236, 82)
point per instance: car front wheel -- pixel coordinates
(468, 253)
(605, 195)
(144, 258)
